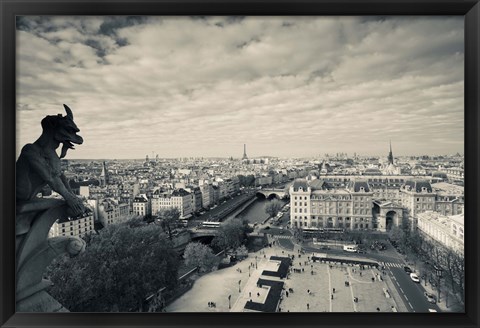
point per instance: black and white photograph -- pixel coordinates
(216, 164)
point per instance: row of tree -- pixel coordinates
(411, 242)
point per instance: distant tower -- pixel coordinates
(103, 176)
(390, 154)
(244, 152)
(146, 158)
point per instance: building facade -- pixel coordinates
(78, 227)
(141, 205)
(316, 204)
(446, 230)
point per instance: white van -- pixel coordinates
(350, 248)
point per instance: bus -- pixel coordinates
(350, 248)
(209, 224)
(323, 230)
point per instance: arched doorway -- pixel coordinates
(390, 219)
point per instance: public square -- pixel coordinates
(311, 292)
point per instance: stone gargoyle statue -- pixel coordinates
(37, 166)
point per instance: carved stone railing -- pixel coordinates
(35, 251)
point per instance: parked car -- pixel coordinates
(432, 310)
(414, 277)
(430, 297)
(407, 269)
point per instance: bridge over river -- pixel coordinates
(273, 193)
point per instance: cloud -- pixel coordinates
(204, 86)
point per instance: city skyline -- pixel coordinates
(204, 87)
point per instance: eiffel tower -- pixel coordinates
(244, 152)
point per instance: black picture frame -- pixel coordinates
(470, 9)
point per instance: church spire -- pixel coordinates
(390, 154)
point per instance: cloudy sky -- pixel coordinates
(204, 86)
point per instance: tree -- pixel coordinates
(246, 181)
(241, 251)
(273, 207)
(201, 256)
(120, 268)
(169, 219)
(230, 235)
(458, 271)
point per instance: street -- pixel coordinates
(411, 293)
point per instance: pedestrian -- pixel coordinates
(378, 309)
(334, 290)
(373, 279)
(303, 270)
(286, 293)
(258, 294)
(308, 291)
(331, 296)
(249, 294)
(308, 306)
(209, 304)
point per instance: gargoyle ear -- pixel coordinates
(69, 112)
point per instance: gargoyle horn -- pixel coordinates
(69, 112)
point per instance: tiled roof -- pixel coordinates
(319, 184)
(355, 185)
(300, 183)
(418, 185)
(180, 192)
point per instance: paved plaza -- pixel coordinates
(312, 288)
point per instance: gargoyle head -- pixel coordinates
(64, 130)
